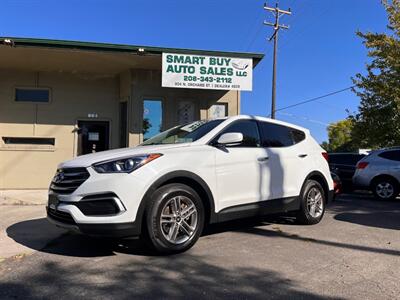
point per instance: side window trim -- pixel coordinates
(213, 142)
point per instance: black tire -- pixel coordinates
(163, 199)
(392, 188)
(305, 214)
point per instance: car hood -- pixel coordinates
(89, 159)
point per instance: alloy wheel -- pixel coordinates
(315, 203)
(179, 219)
(384, 190)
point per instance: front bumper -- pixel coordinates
(80, 210)
(109, 230)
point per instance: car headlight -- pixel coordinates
(125, 164)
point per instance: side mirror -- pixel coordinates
(230, 138)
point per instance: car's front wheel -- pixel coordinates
(175, 218)
(312, 203)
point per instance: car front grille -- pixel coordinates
(60, 216)
(66, 181)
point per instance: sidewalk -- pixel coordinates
(23, 222)
(23, 197)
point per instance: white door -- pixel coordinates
(290, 159)
(242, 172)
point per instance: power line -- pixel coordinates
(254, 37)
(257, 26)
(315, 99)
(306, 26)
(304, 118)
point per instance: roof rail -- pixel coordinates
(390, 148)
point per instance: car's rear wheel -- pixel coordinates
(175, 218)
(385, 188)
(312, 203)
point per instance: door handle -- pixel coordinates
(262, 159)
(303, 155)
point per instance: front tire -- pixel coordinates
(174, 218)
(312, 203)
(385, 188)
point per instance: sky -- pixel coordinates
(318, 54)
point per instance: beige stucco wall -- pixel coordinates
(73, 98)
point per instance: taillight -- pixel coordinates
(325, 155)
(335, 184)
(362, 165)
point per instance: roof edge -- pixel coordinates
(96, 46)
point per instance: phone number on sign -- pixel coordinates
(207, 79)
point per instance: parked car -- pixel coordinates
(175, 183)
(379, 172)
(344, 166)
(337, 184)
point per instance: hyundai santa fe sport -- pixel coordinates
(171, 186)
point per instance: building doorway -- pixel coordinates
(93, 136)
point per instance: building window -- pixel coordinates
(152, 118)
(37, 95)
(28, 141)
(218, 110)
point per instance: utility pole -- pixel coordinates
(277, 12)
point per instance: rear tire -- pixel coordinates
(174, 218)
(312, 203)
(385, 188)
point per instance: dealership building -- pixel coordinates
(61, 99)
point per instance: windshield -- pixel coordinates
(185, 133)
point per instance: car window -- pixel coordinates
(356, 158)
(298, 135)
(184, 134)
(249, 129)
(392, 155)
(274, 135)
(345, 159)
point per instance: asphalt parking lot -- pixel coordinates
(353, 253)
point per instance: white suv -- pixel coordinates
(379, 172)
(175, 183)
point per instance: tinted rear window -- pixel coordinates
(275, 135)
(298, 135)
(345, 159)
(391, 155)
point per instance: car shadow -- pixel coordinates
(363, 209)
(185, 276)
(383, 219)
(61, 242)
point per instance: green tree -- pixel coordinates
(325, 146)
(146, 125)
(377, 122)
(340, 136)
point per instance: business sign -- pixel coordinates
(206, 72)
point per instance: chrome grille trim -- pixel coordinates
(67, 180)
